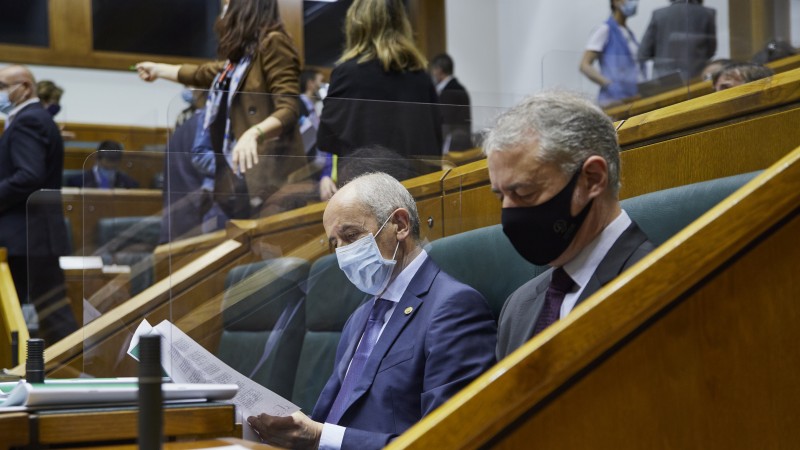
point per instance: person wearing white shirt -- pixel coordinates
(554, 163)
(420, 338)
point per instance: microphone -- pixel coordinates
(150, 407)
(34, 361)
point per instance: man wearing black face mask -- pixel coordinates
(554, 162)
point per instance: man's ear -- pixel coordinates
(595, 175)
(402, 221)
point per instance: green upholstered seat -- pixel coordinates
(255, 297)
(130, 241)
(330, 300)
(663, 213)
(484, 259)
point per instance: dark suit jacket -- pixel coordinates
(421, 359)
(32, 158)
(682, 36)
(368, 106)
(456, 116)
(88, 180)
(522, 309)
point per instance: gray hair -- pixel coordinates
(569, 130)
(383, 194)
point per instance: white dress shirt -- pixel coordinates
(441, 85)
(582, 267)
(333, 435)
(19, 108)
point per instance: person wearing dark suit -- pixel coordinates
(105, 173)
(554, 162)
(32, 225)
(455, 105)
(380, 93)
(420, 338)
(681, 37)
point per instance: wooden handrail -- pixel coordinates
(759, 95)
(680, 94)
(11, 318)
(131, 312)
(545, 363)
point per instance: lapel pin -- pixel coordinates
(408, 310)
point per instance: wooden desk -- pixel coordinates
(190, 445)
(68, 427)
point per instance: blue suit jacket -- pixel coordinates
(421, 359)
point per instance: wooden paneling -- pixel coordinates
(14, 430)
(718, 371)
(72, 427)
(712, 311)
(85, 207)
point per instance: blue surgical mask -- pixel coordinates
(364, 265)
(5, 103)
(187, 96)
(54, 109)
(628, 9)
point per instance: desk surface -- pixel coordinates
(192, 445)
(83, 426)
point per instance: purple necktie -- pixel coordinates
(560, 284)
(377, 317)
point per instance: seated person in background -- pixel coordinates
(736, 74)
(615, 47)
(554, 162)
(773, 51)
(714, 67)
(456, 114)
(50, 96)
(421, 338)
(105, 173)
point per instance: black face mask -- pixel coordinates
(541, 233)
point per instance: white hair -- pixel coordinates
(382, 194)
(567, 127)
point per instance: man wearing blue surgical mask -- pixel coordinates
(615, 47)
(420, 338)
(31, 222)
(554, 163)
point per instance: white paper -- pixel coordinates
(186, 361)
(80, 262)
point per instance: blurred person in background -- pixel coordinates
(615, 47)
(50, 96)
(681, 37)
(241, 124)
(454, 98)
(737, 74)
(380, 93)
(105, 173)
(32, 225)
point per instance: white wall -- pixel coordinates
(794, 22)
(539, 43)
(503, 50)
(112, 97)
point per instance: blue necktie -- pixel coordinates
(377, 317)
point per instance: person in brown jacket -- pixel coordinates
(242, 123)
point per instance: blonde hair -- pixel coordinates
(379, 29)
